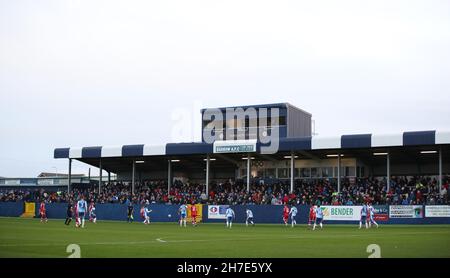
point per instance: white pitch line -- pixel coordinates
(85, 243)
(302, 236)
(123, 242)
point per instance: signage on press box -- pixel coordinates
(237, 146)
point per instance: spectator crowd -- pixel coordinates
(402, 191)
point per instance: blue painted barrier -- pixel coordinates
(11, 209)
(161, 213)
(262, 214)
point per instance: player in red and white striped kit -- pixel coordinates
(312, 215)
(286, 211)
(77, 221)
(194, 214)
(43, 212)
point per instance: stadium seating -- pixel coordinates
(403, 191)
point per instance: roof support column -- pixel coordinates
(248, 172)
(339, 174)
(100, 177)
(169, 174)
(388, 172)
(207, 175)
(292, 171)
(133, 174)
(109, 177)
(70, 176)
(440, 170)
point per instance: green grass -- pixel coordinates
(30, 238)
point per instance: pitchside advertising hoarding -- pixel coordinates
(437, 211)
(217, 212)
(334, 213)
(406, 212)
(342, 213)
(353, 213)
(381, 213)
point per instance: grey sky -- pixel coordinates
(80, 73)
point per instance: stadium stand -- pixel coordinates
(403, 191)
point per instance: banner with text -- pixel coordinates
(217, 212)
(342, 213)
(437, 211)
(236, 146)
(12, 182)
(381, 213)
(406, 212)
(45, 182)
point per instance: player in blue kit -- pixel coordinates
(230, 216)
(293, 214)
(371, 211)
(81, 207)
(183, 214)
(147, 215)
(319, 218)
(364, 212)
(249, 219)
(92, 214)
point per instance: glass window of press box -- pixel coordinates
(306, 173)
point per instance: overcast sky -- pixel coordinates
(82, 73)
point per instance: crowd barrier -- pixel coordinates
(262, 213)
(11, 209)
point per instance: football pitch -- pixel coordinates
(30, 238)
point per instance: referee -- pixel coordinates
(69, 213)
(130, 212)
